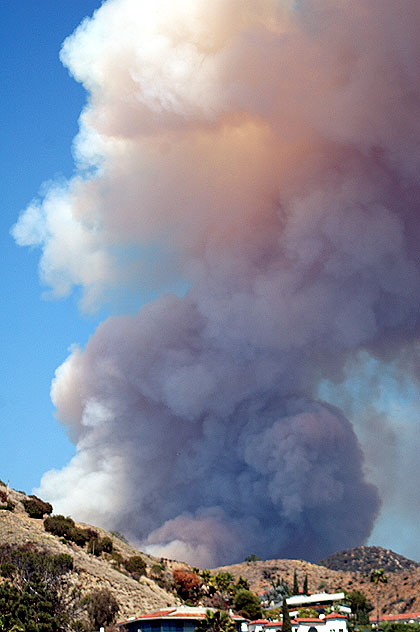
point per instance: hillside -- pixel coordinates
(348, 570)
(90, 572)
(400, 594)
(366, 558)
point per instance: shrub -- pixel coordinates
(91, 533)
(117, 557)
(136, 566)
(35, 507)
(65, 528)
(120, 536)
(247, 602)
(7, 569)
(59, 525)
(157, 569)
(94, 546)
(79, 536)
(187, 584)
(102, 607)
(9, 506)
(253, 558)
(107, 544)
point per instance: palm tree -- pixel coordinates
(216, 621)
(377, 577)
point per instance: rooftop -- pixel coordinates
(181, 612)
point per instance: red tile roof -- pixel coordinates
(157, 613)
(396, 617)
(177, 613)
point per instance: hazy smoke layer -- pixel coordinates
(266, 151)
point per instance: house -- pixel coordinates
(318, 601)
(407, 617)
(273, 626)
(334, 622)
(180, 619)
(257, 625)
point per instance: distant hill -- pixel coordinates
(400, 594)
(364, 559)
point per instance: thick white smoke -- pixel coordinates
(268, 152)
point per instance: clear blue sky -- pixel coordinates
(40, 108)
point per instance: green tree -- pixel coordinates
(31, 609)
(247, 604)
(295, 584)
(216, 621)
(33, 595)
(253, 558)
(378, 577)
(360, 607)
(286, 623)
(305, 585)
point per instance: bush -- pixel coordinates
(97, 545)
(102, 607)
(65, 528)
(79, 536)
(7, 569)
(9, 506)
(107, 544)
(253, 558)
(94, 546)
(60, 564)
(248, 603)
(117, 558)
(187, 584)
(35, 507)
(59, 525)
(120, 536)
(136, 566)
(400, 627)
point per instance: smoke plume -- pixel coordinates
(266, 153)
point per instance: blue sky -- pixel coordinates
(40, 108)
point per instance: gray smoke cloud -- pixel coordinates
(266, 152)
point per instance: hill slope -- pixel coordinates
(400, 594)
(366, 558)
(348, 570)
(90, 572)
